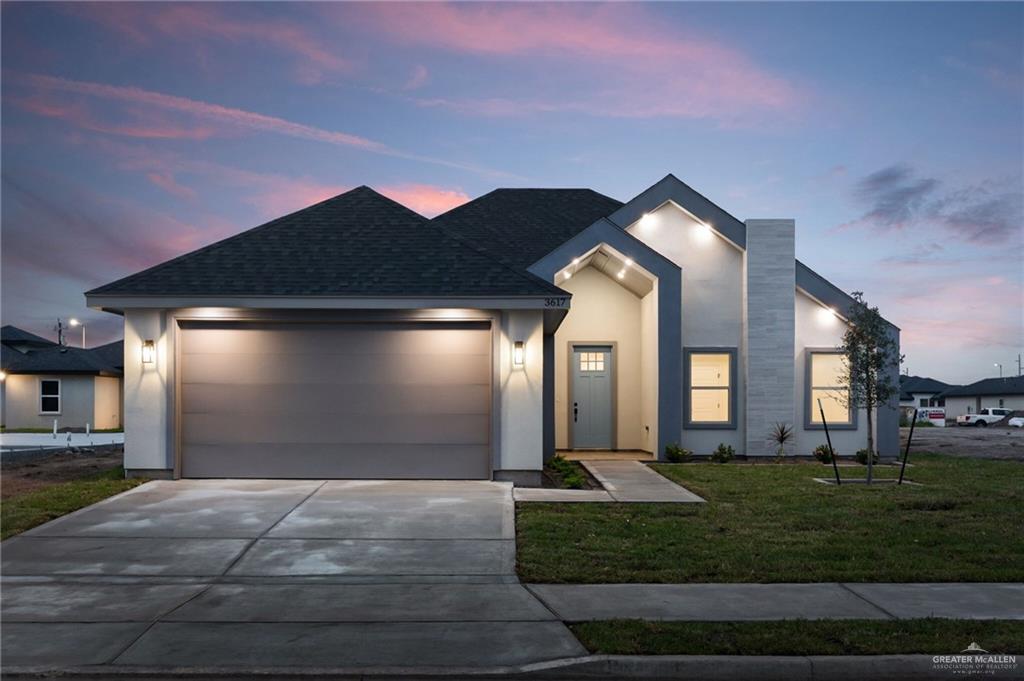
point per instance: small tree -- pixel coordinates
(871, 365)
(781, 434)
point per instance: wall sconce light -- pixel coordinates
(148, 351)
(3, 375)
(518, 354)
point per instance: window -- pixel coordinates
(924, 401)
(49, 396)
(1000, 401)
(591, 361)
(710, 386)
(825, 382)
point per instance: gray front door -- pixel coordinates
(590, 411)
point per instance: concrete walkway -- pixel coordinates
(633, 481)
(259, 573)
(732, 602)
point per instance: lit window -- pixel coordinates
(591, 361)
(710, 388)
(828, 385)
(49, 396)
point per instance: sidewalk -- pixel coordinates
(622, 481)
(732, 602)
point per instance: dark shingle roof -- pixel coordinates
(1011, 385)
(111, 353)
(57, 359)
(359, 243)
(920, 384)
(12, 334)
(521, 226)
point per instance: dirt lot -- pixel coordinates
(981, 443)
(18, 477)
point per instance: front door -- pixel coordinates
(590, 410)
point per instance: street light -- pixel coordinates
(997, 364)
(75, 322)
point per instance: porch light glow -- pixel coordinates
(148, 351)
(575, 262)
(518, 354)
(3, 375)
(567, 274)
(827, 316)
(647, 221)
(629, 262)
(621, 274)
(704, 232)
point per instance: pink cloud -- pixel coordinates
(425, 199)
(144, 22)
(170, 185)
(420, 76)
(78, 114)
(613, 59)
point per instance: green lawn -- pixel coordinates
(772, 523)
(24, 511)
(799, 637)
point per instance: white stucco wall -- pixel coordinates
(602, 312)
(21, 402)
(712, 293)
(147, 394)
(816, 328)
(521, 392)
(107, 402)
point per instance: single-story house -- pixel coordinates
(989, 392)
(358, 339)
(918, 391)
(43, 382)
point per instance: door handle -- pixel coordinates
(575, 412)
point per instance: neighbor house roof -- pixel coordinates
(1011, 385)
(521, 226)
(359, 243)
(920, 384)
(57, 359)
(14, 335)
(111, 353)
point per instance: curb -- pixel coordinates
(689, 667)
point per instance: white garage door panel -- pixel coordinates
(341, 428)
(325, 398)
(442, 462)
(302, 400)
(335, 369)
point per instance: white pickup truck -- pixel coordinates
(983, 417)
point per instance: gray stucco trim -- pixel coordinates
(670, 309)
(809, 408)
(671, 188)
(549, 397)
(733, 389)
(888, 415)
(119, 303)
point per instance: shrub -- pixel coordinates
(568, 471)
(677, 454)
(723, 454)
(862, 457)
(823, 454)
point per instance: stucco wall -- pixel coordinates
(521, 392)
(712, 301)
(602, 311)
(107, 402)
(817, 328)
(147, 394)
(21, 402)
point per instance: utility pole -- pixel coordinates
(1018, 364)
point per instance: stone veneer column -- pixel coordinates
(769, 288)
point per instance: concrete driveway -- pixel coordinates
(257, 573)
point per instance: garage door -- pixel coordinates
(262, 400)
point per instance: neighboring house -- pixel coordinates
(917, 392)
(989, 392)
(358, 339)
(45, 382)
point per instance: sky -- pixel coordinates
(892, 133)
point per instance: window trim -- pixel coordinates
(809, 405)
(689, 424)
(60, 396)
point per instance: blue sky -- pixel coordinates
(891, 132)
